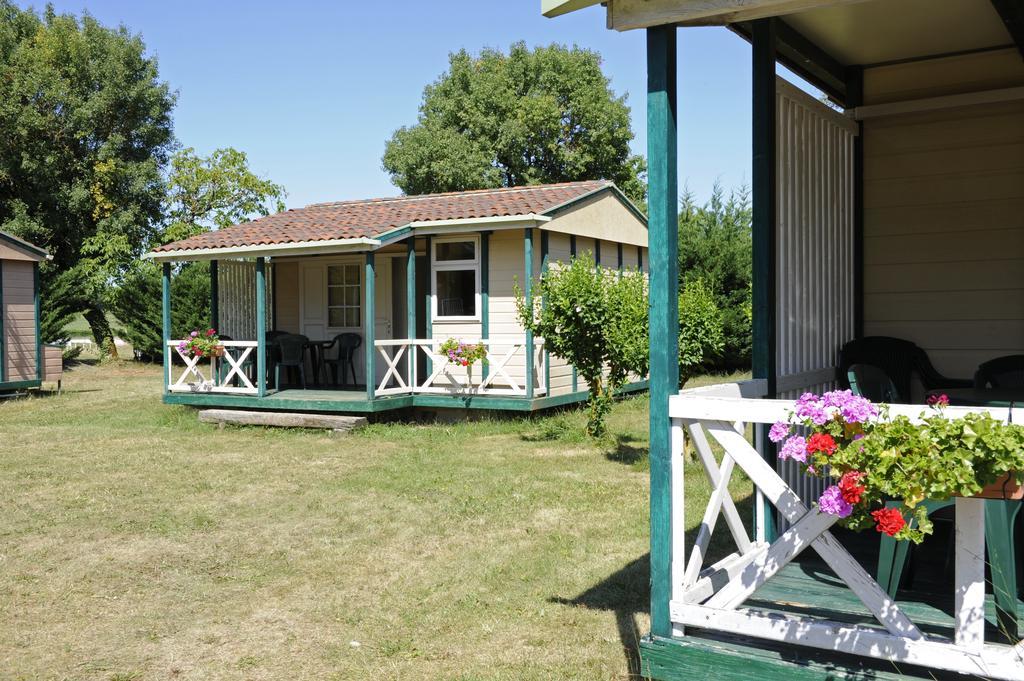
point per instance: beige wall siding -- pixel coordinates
(939, 77)
(602, 217)
(19, 326)
(944, 232)
(561, 371)
(287, 282)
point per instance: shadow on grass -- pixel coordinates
(626, 592)
(624, 451)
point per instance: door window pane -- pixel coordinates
(456, 293)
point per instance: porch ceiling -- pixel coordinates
(879, 31)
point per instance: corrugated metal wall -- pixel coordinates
(236, 298)
(815, 300)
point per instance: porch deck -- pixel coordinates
(807, 589)
(356, 401)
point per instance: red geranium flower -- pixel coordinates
(938, 400)
(889, 520)
(821, 442)
(210, 332)
(850, 487)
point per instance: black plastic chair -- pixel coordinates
(898, 359)
(1001, 372)
(292, 349)
(347, 344)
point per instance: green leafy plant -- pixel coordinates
(596, 320)
(877, 458)
(701, 334)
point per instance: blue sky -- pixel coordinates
(312, 90)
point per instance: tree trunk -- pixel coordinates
(101, 331)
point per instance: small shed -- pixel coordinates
(396, 277)
(24, 361)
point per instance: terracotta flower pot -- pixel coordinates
(218, 351)
(1003, 488)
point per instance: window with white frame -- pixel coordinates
(456, 278)
(343, 296)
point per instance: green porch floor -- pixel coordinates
(356, 402)
(807, 589)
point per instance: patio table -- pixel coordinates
(982, 397)
(317, 348)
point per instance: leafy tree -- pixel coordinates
(138, 305)
(701, 335)
(60, 291)
(715, 248)
(203, 194)
(528, 117)
(215, 192)
(597, 321)
(85, 128)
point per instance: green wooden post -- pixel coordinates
(763, 41)
(619, 254)
(544, 248)
(429, 307)
(410, 293)
(664, 314)
(261, 327)
(370, 320)
(214, 296)
(167, 323)
(39, 338)
(485, 294)
(528, 295)
(597, 253)
(854, 98)
(640, 258)
(575, 374)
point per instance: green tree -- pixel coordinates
(214, 192)
(528, 117)
(204, 193)
(85, 129)
(715, 248)
(596, 320)
(701, 335)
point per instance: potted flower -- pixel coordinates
(464, 354)
(874, 457)
(202, 344)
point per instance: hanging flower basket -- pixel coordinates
(202, 344)
(464, 355)
(876, 458)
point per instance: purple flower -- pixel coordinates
(795, 448)
(194, 334)
(778, 432)
(831, 501)
(810, 406)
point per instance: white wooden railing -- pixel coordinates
(711, 597)
(401, 376)
(226, 374)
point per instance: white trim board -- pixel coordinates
(1009, 94)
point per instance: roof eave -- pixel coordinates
(28, 249)
(323, 247)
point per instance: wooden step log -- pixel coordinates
(282, 419)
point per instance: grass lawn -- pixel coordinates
(136, 543)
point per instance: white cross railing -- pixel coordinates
(228, 373)
(712, 597)
(502, 378)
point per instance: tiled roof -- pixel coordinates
(370, 218)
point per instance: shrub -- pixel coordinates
(596, 320)
(701, 333)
